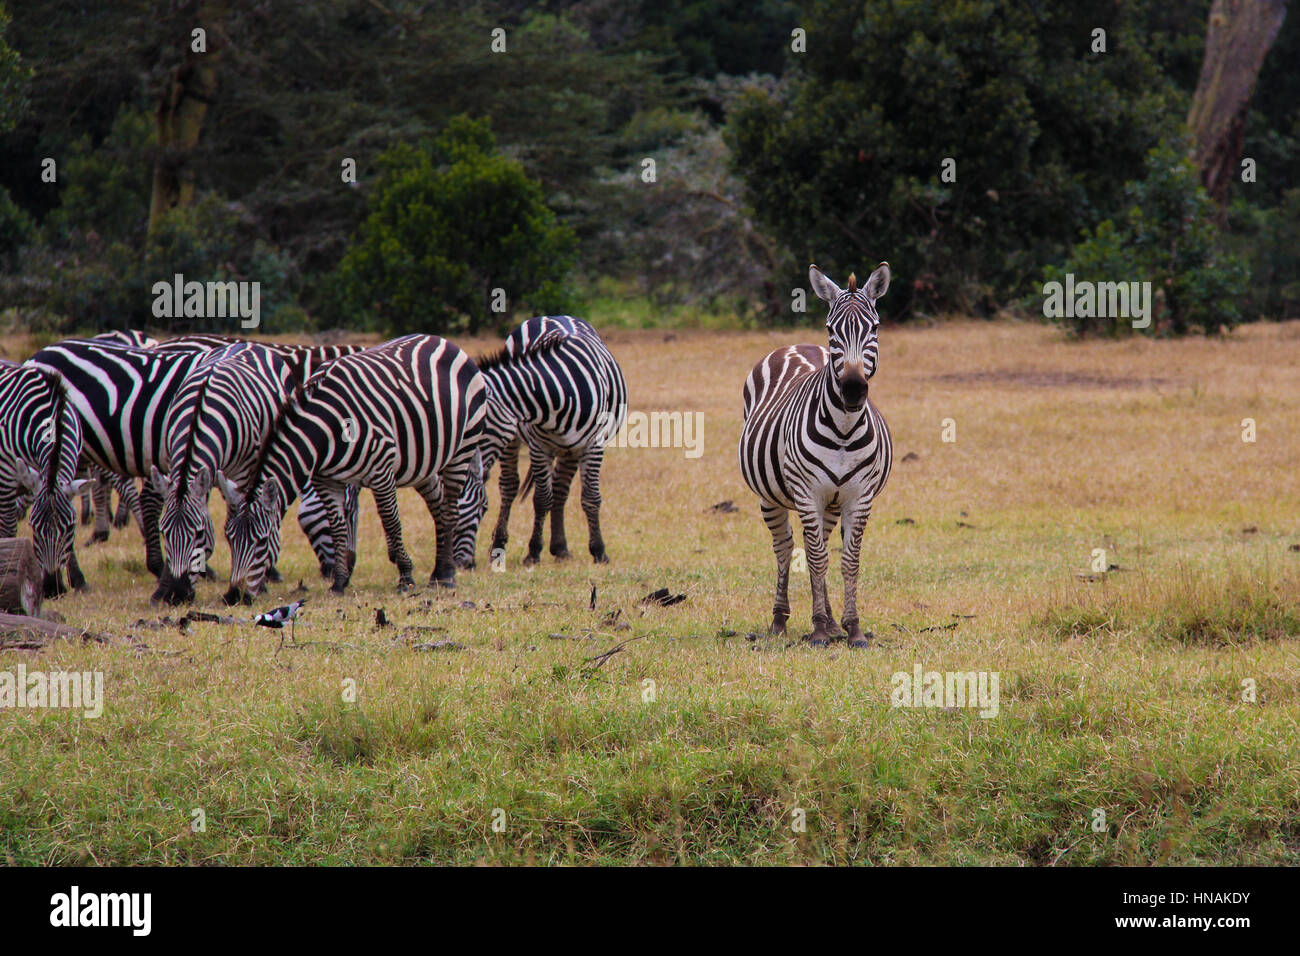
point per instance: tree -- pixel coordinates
(1165, 237)
(967, 143)
(183, 103)
(456, 233)
(1238, 38)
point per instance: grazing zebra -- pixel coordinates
(405, 413)
(40, 445)
(122, 394)
(555, 387)
(813, 443)
(218, 422)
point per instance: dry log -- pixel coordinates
(20, 577)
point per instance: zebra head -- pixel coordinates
(470, 510)
(500, 428)
(54, 522)
(186, 528)
(253, 532)
(852, 326)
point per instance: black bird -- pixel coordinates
(278, 615)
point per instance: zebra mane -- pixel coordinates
(59, 391)
(187, 459)
(499, 358)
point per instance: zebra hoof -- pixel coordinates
(819, 638)
(561, 555)
(858, 640)
(96, 537)
(272, 575)
(449, 583)
(335, 589)
(233, 597)
(532, 559)
(600, 557)
(778, 627)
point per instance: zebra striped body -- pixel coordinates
(40, 447)
(556, 388)
(408, 413)
(218, 422)
(814, 444)
(122, 394)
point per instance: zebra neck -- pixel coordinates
(287, 470)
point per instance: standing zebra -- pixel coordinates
(555, 387)
(218, 422)
(813, 443)
(407, 413)
(122, 394)
(40, 445)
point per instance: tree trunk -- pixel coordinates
(1237, 39)
(21, 577)
(182, 108)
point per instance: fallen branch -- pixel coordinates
(34, 633)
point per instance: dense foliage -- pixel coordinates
(974, 144)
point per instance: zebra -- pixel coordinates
(40, 445)
(813, 443)
(556, 388)
(122, 393)
(218, 422)
(405, 413)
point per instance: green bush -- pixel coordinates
(96, 283)
(1168, 237)
(1269, 240)
(447, 226)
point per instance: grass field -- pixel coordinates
(1124, 735)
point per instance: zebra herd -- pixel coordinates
(268, 423)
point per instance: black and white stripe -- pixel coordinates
(218, 421)
(122, 394)
(814, 444)
(408, 413)
(556, 388)
(40, 447)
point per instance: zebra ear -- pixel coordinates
(824, 287)
(28, 477)
(229, 491)
(75, 486)
(161, 483)
(200, 480)
(878, 283)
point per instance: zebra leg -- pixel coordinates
(75, 577)
(508, 483)
(814, 542)
(9, 512)
(150, 508)
(87, 509)
(442, 495)
(565, 468)
(100, 496)
(777, 520)
(539, 465)
(592, 459)
(855, 520)
(386, 501)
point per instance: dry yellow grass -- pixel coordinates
(1122, 695)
